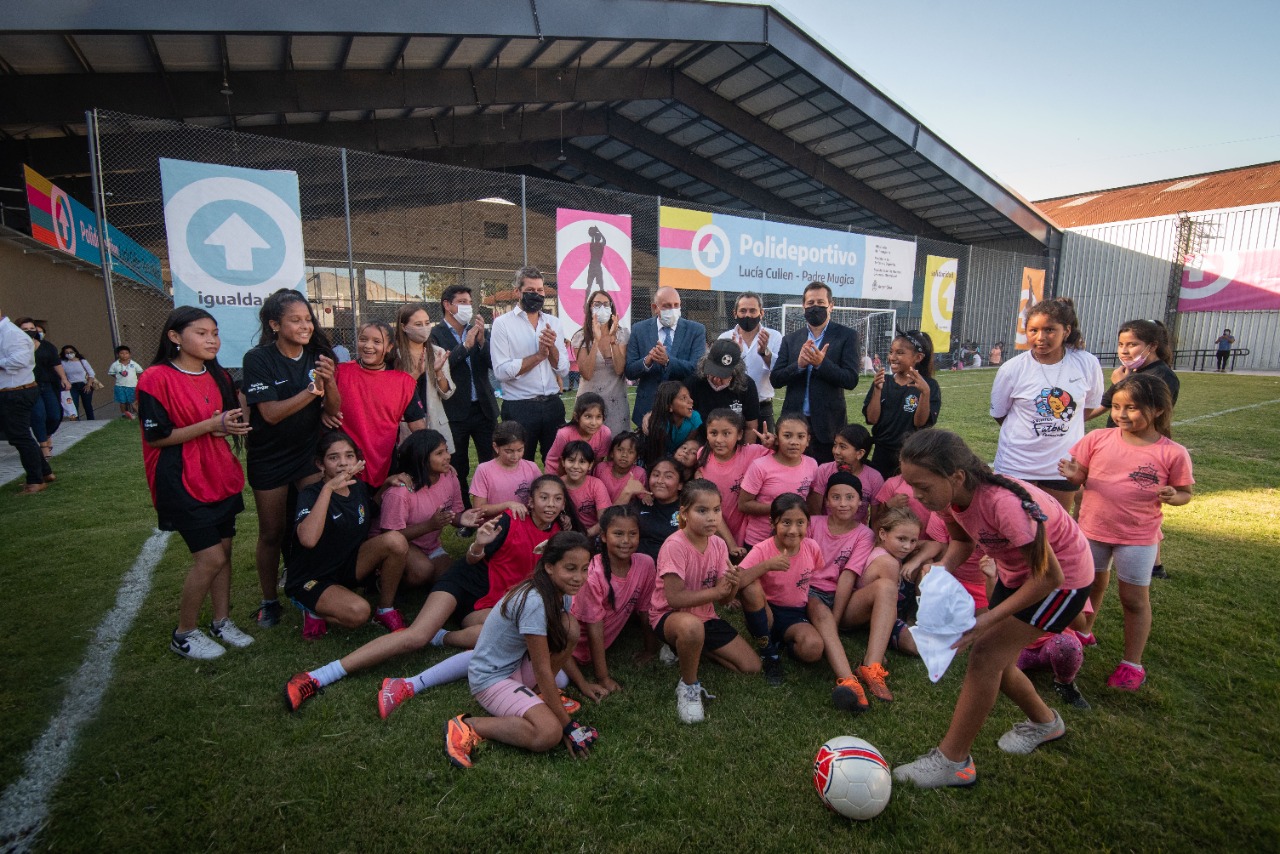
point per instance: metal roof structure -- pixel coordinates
(719, 104)
(1208, 191)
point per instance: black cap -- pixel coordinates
(722, 358)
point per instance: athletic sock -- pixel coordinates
(385, 610)
(438, 639)
(757, 626)
(1134, 666)
(330, 673)
(451, 669)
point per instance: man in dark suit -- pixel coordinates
(664, 347)
(472, 410)
(817, 365)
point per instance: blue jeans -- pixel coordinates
(46, 415)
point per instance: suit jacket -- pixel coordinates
(458, 406)
(687, 349)
(837, 374)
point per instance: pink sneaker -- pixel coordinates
(313, 627)
(393, 693)
(1087, 639)
(390, 620)
(1127, 677)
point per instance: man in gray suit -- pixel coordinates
(664, 347)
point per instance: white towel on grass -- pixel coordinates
(945, 613)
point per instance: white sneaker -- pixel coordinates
(934, 770)
(689, 702)
(229, 632)
(1028, 735)
(667, 655)
(196, 645)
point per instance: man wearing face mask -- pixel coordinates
(18, 394)
(817, 365)
(721, 382)
(528, 354)
(663, 347)
(756, 342)
(472, 410)
(51, 380)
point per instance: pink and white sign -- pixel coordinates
(593, 252)
(1231, 281)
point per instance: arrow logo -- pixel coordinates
(711, 251)
(238, 240)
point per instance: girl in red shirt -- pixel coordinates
(188, 406)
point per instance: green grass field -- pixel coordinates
(186, 756)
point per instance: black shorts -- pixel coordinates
(1056, 485)
(784, 617)
(1053, 613)
(466, 583)
(716, 632)
(308, 591)
(208, 536)
(273, 474)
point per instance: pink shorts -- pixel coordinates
(513, 696)
(977, 588)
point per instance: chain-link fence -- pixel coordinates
(383, 231)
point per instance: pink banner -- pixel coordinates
(1231, 281)
(593, 253)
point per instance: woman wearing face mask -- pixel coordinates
(721, 382)
(426, 363)
(601, 345)
(1142, 347)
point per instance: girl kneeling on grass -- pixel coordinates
(1045, 571)
(619, 466)
(503, 483)
(501, 556)
(619, 585)
(1128, 473)
(788, 469)
(527, 639)
(586, 493)
(694, 574)
(334, 553)
(188, 405)
(586, 425)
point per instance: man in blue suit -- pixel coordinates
(662, 348)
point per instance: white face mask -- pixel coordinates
(669, 317)
(603, 314)
(463, 314)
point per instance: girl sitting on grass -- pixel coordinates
(852, 445)
(1045, 571)
(528, 639)
(788, 469)
(694, 574)
(335, 553)
(188, 405)
(619, 466)
(586, 493)
(1128, 474)
(502, 483)
(586, 425)
(619, 585)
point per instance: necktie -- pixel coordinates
(666, 337)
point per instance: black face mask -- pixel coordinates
(531, 301)
(815, 315)
(35, 336)
(748, 323)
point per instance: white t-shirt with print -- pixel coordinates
(1043, 407)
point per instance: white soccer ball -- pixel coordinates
(852, 778)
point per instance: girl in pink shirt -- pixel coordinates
(586, 425)
(850, 450)
(420, 501)
(694, 574)
(1128, 473)
(724, 461)
(1045, 571)
(869, 596)
(619, 467)
(503, 482)
(619, 585)
(586, 493)
(845, 544)
(786, 470)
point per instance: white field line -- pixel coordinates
(24, 807)
(1209, 415)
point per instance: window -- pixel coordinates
(495, 231)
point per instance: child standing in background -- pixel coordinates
(905, 401)
(125, 373)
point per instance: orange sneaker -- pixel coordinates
(460, 738)
(570, 705)
(873, 676)
(300, 688)
(392, 694)
(848, 695)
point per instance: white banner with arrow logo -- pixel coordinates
(235, 237)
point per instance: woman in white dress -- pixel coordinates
(432, 375)
(601, 345)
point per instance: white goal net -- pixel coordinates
(875, 326)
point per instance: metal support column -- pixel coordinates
(351, 260)
(100, 214)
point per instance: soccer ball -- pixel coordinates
(852, 778)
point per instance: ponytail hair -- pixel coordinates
(722, 414)
(1061, 310)
(552, 599)
(607, 518)
(943, 453)
(1152, 333)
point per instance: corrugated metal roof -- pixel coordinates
(1209, 191)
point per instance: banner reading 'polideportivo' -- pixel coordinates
(718, 252)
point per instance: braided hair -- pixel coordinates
(552, 599)
(722, 414)
(617, 512)
(943, 453)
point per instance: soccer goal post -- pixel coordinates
(875, 326)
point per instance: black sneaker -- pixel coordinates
(269, 614)
(773, 671)
(1158, 571)
(1071, 695)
